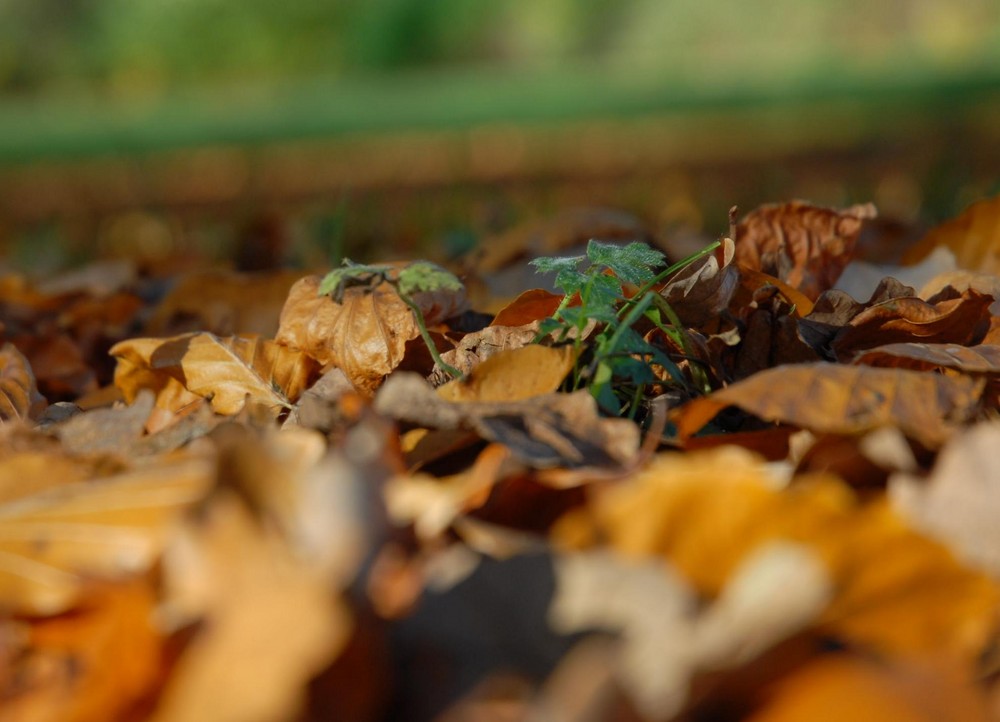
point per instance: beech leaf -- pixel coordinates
(227, 371)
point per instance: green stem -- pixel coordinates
(426, 336)
(670, 270)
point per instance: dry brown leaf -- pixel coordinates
(225, 370)
(366, 335)
(804, 245)
(704, 512)
(961, 320)
(52, 542)
(225, 303)
(982, 359)
(111, 430)
(702, 290)
(99, 663)
(513, 375)
(19, 397)
(974, 237)
(271, 621)
(476, 347)
(542, 431)
(838, 399)
(59, 365)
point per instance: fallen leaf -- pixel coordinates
(542, 431)
(513, 375)
(270, 621)
(982, 359)
(476, 347)
(894, 590)
(226, 371)
(974, 237)
(666, 639)
(52, 542)
(961, 321)
(113, 430)
(804, 245)
(65, 672)
(838, 399)
(702, 290)
(19, 397)
(365, 336)
(225, 303)
(533, 305)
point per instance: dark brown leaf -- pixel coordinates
(804, 245)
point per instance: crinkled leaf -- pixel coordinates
(365, 335)
(19, 397)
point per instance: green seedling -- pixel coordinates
(614, 363)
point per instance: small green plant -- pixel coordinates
(410, 279)
(615, 362)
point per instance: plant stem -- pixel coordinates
(426, 336)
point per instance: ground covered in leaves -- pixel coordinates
(759, 483)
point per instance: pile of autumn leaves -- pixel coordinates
(266, 505)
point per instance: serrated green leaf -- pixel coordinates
(350, 274)
(554, 264)
(602, 292)
(426, 276)
(634, 263)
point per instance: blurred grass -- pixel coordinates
(456, 99)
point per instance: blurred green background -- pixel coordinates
(410, 124)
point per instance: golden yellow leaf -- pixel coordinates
(513, 375)
(271, 621)
(53, 541)
(225, 370)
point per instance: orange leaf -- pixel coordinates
(837, 399)
(838, 687)
(974, 237)
(225, 370)
(98, 663)
(532, 305)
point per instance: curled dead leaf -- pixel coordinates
(365, 336)
(804, 245)
(19, 397)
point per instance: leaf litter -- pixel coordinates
(672, 488)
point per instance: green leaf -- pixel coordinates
(350, 274)
(426, 276)
(633, 263)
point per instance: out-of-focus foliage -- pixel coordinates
(143, 47)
